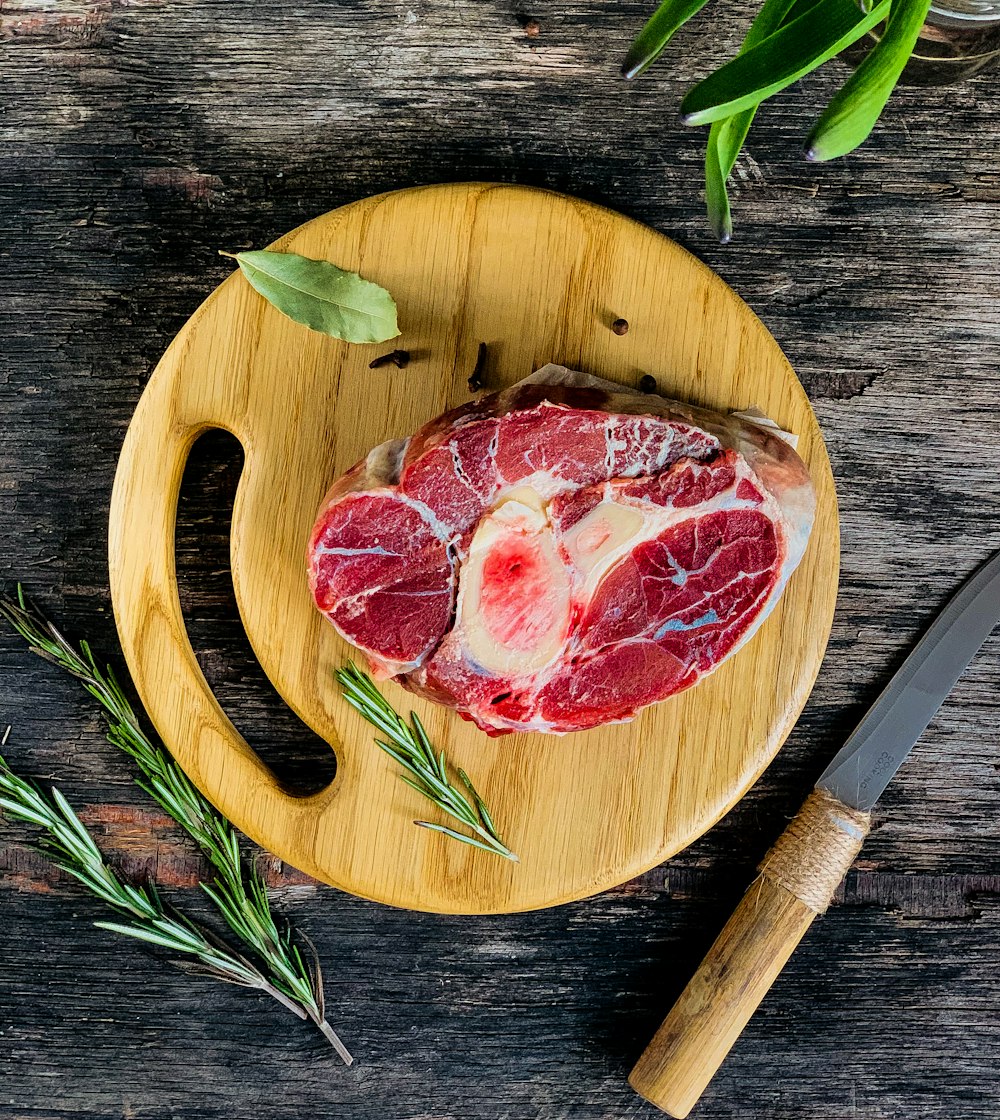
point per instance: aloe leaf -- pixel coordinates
(726, 137)
(815, 37)
(321, 296)
(659, 30)
(849, 118)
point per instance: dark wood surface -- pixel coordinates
(138, 137)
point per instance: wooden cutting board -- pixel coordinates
(539, 277)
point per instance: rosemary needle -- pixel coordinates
(238, 890)
(427, 771)
(70, 846)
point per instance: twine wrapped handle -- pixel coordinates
(798, 878)
(814, 853)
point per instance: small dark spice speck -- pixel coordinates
(477, 380)
(397, 358)
(647, 383)
(620, 326)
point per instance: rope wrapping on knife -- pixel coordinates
(815, 852)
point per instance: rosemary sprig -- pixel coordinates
(238, 890)
(70, 846)
(411, 748)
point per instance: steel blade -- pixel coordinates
(864, 766)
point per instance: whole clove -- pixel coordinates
(647, 383)
(397, 358)
(477, 381)
(620, 326)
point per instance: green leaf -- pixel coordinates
(718, 169)
(467, 839)
(815, 37)
(849, 118)
(726, 137)
(321, 296)
(71, 819)
(24, 813)
(668, 18)
(140, 933)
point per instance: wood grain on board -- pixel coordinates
(140, 138)
(539, 277)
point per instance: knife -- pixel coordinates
(800, 873)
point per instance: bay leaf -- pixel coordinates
(320, 295)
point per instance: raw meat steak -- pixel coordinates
(560, 554)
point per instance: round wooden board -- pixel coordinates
(538, 277)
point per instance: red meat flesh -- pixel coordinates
(551, 559)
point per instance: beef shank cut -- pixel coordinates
(558, 555)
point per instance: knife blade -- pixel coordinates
(876, 749)
(802, 870)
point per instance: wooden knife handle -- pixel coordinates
(797, 879)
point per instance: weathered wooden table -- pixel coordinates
(137, 138)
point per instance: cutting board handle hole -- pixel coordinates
(299, 759)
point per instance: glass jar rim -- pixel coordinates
(961, 12)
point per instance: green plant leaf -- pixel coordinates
(726, 137)
(849, 118)
(668, 18)
(813, 38)
(722, 144)
(321, 296)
